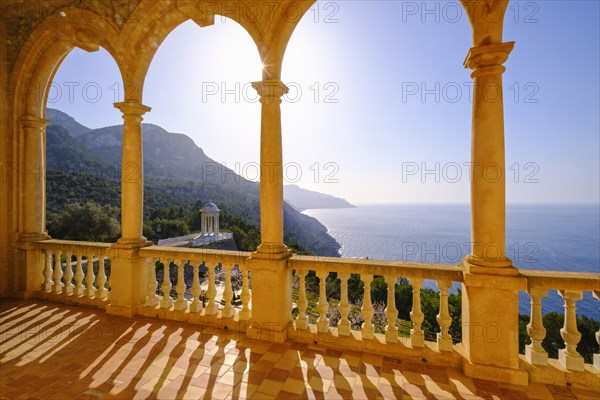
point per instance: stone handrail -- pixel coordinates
(208, 255)
(584, 281)
(378, 267)
(72, 245)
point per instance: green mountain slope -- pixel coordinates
(84, 166)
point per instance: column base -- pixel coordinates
(266, 332)
(495, 374)
(34, 237)
(572, 362)
(134, 243)
(478, 265)
(272, 251)
(121, 311)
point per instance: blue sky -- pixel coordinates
(377, 90)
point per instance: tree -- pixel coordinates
(85, 221)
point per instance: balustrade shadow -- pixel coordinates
(90, 354)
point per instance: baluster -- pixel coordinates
(47, 285)
(344, 307)
(228, 310)
(444, 320)
(102, 292)
(78, 275)
(417, 338)
(58, 286)
(90, 290)
(534, 352)
(181, 303)
(301, 321)
(151, 297)
(323, 305)
(196, 305)
(68, 274)
(596, 294)
(569, 357)
(212, 308)
(367, 309)
(166, 301)
(245, 313)
(391, 312)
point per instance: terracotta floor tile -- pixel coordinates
(487, 386)
(142, 358)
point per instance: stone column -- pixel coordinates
(33, 200)
(128, 271)
(33, 177)
(488, 200)
(132, 173)
(271, 279)
(271, 168)
(490, 338)
(217, 225)
(202, 224)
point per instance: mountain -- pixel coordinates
(59, 118)
(303, 199)
(84, 164)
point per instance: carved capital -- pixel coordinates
(270, 89)
(488, 59)
(132, 108)
(29, 121)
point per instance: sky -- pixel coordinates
(379, 108)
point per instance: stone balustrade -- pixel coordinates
(173, 297)
(77, 272)
(391, 271)
(570, 286)
(200, 286)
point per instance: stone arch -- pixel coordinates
(279, 38)
(46, 48)
(33, 70)
(156, 21)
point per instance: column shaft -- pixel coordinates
(487, 158)
(271, 167)
(132, 173)
(34, 178)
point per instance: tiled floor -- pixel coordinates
(52, 351)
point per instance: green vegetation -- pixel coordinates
(84, 165)
(172, 209)
(430, 301)
(85, 221)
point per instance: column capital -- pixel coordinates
(28, 121)
(132, 107)
(488, 58)
(270, 88)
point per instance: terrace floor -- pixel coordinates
(55, 351)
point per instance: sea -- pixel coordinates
(541, 237)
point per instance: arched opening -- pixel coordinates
(83, 148)
(204, 128)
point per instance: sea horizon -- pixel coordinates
(551, 237)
